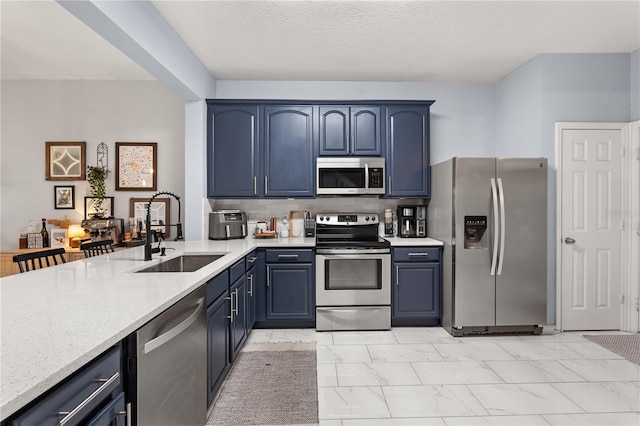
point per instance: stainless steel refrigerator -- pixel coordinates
(491, 214)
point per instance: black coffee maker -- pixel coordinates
(412, 221)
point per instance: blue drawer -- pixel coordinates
(237, 270)
(104, 373)
(416, 254)
(216, 286)
(290, 256)
(251, 259)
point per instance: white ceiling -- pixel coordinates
(437, 41)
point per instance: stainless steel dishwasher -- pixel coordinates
(166, 364)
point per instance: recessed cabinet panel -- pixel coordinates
(334, 131)
(289, 156)
(365, 131)
(232, 151)
(408, 161)
(416, 290)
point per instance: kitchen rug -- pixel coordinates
(269, 387)
(625, 345)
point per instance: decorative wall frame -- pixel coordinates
(136, 166)
(65, 160)
(159, 212)
(58, 238)
(90, 209)
(64, 197)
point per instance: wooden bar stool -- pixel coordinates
(39, 259)
(96, 248)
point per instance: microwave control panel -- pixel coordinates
(376, 177)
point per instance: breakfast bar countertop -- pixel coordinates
(56, 320)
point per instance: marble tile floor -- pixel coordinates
(424, 376)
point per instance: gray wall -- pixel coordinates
(552, 88)
(36, 111)
(635, 85)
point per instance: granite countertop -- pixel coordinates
(57, 319)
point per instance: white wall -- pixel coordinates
(34, 112)
(552, 88)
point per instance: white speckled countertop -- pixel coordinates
(57, 319)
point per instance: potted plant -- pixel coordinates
(96, 176)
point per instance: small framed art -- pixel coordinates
(93, 209)
(136, 166)
(64, 197)
(58, 238)
(65, 161)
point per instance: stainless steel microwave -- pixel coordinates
(350, 176)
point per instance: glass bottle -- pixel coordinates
(44, 233)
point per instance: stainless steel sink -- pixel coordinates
(184, 263)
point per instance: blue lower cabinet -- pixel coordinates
(416, 289)
(218, 345)
(290, 291)
(93, 395)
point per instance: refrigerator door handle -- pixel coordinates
(494, 198)
(502, 226)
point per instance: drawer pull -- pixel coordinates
(252, 259)
(69, 415)
(287, 256)
(418, 254)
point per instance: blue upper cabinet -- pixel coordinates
(348, 130)
(232, 151)
(408, 162)
(288, 151)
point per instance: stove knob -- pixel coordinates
(373, 218)
(366, 218)
(321, 218)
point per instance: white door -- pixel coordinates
(591, 186)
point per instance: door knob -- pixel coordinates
(569, 240)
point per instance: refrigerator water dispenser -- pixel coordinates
(474, 229)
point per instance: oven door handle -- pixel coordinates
(352, 252)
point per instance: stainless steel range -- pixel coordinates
(353, 273)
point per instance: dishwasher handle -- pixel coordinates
(165, 337)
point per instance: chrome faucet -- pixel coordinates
(147, 244)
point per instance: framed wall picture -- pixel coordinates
(93, 211)
(159, 213)
(64, 197)
(58, 238)
(136, 166)
(65, 161)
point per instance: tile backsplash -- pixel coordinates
(265, 208)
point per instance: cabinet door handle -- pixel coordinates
(268, 276)
(418, 254)
(230, 306)
(255, 185)
(250, 279)
(237, 300)
(266, 187)
(389, 189)
(69, 415)
(397, 275)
